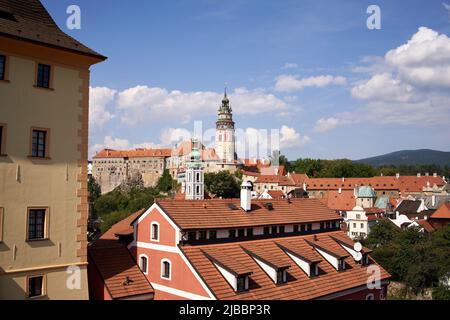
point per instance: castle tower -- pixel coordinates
(225, 139)
(195, 188)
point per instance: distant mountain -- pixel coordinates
(410, 157)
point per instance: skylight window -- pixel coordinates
(7, 16)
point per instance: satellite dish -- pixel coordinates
(357, 246)
(358, 256)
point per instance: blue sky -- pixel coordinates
(310, 68)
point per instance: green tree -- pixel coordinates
(222, 184)
(384, 232)
(165, 182)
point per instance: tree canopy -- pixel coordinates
(222, 184)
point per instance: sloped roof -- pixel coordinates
(443, 212)
(134, 153)
(408, 206)
(425, 225)
(29, 20)
(276, 194)
(298, 287)
(118, 269)
(281, 180)
(218, 213)
(343, 201)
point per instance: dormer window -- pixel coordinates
(281, 276)
(192, 235)
(202, 235)
(242, 283)
(341, 264)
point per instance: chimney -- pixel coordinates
(381, 174)
(343, 179)
(183, 187)
(418, 175)
(304, 186)
(435, 174)
(397, 175)
(246, 195)
(397, 214)
(340, 190)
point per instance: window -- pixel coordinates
(370, 296)
(281, 276)
(281, 229)
(213, 234)
(202, 235)
(295, 227)
(362, 225)
(232, 233)
(309, 227)
(143, 264)
(1, 224)
(35, 286)
(354, 225)
(358, 216)
(2, 139)
(39, 143)
(249, 232)
(302, 228)
(155, 231)
(274, 229)
(242, 283)
(43, 76)
(192, 235)
(341, 264)
(328, 225)
(266, 230)
(2, 67)
(165, 269)
(37, 221)
(322, 226)
(241, 232)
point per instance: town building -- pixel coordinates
(44, 116)
(241, 249)
(195, 181)
(111, 168)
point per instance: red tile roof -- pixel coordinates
(425, 224)
(343, 201)
(276, 194)
(217, 213)
(443, 212)
(280, 180)
(298, 287)
(136, 153)
(117, 268)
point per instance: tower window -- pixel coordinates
(155, 231)
(43, 76)
(2, 67)
(144, 264)
(165, 269)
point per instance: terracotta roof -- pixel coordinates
(224, 258)
(373, 210)
(276, 194)
(384, 183)
(259, 163)
(425, 224)
(343, 201)
(298, 287)
(136, 153)
(250, 173)
(415, 184)
(29, 20)
(226, 213)
(343, 239)
(119, 271)
(273, 170)
(281, 180)
(443, 212)
(298, 178)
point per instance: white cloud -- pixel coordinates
(289, 83)
(171, 136)
(290, 65)
(99, 98)
(409, 86)
(383, 87)
(326, 124)
(143, 103)
(289, 138)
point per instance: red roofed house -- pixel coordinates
(441, 217)
(248, 249)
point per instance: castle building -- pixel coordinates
(195, 188)
(225, 138)
(44, 117)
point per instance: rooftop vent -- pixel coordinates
(269, 206)
(232, 206)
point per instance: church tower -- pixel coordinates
(225, 139)
(195, 188)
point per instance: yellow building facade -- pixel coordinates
(44, 112)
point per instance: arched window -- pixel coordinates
(143, 263)
(198, 190)
(154, 231)
(165, 269)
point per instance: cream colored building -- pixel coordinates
(44, 110)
